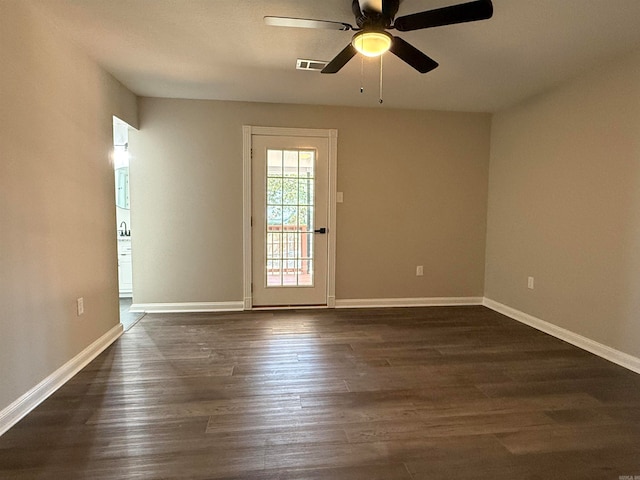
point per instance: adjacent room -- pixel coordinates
(349, 239)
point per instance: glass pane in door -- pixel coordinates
(289, 226)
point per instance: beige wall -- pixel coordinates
(57, 211)
(564, 206)
(414, 183)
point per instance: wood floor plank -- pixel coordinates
(489, 466)
(394, 394)
(568, 438)
(539, 403)
(402, 430)
(361, 472)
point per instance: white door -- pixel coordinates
(290, 199)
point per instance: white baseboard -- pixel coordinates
(345, 303)
(187, 307)
(623, 359)
(12, 414)
(407, 302)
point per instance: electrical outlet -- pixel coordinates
(419, 271)
(80, 305)
(530, 284)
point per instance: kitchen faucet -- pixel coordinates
(124, 232)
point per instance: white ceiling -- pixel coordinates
(221, 49)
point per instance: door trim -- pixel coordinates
(332, 136)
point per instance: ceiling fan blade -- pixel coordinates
(411, 55)
(341, 60)
(464, 12)
(306, 23)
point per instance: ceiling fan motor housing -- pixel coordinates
(370, 19)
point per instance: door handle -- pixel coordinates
(320, 230)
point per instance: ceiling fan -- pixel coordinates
(375, 17)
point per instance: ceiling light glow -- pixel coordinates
(371, 44)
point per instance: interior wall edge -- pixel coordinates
(604, 351)
(17, 410)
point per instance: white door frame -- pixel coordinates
(332, 136)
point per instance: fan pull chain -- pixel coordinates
(361, 73)
(381, 100)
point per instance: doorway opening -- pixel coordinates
(123, 229)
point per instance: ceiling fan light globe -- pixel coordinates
(371, 44)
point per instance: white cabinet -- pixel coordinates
(125, 275)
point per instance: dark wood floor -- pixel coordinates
(381, 394)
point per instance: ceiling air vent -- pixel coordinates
(314, 65)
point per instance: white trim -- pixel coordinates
(246, 217)
(292, 132)
(333, 188)
(332, 135)
(12, 414)
(247, 304)
(407, 302)
(623, 359)
(187, 307)
(331, 302)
